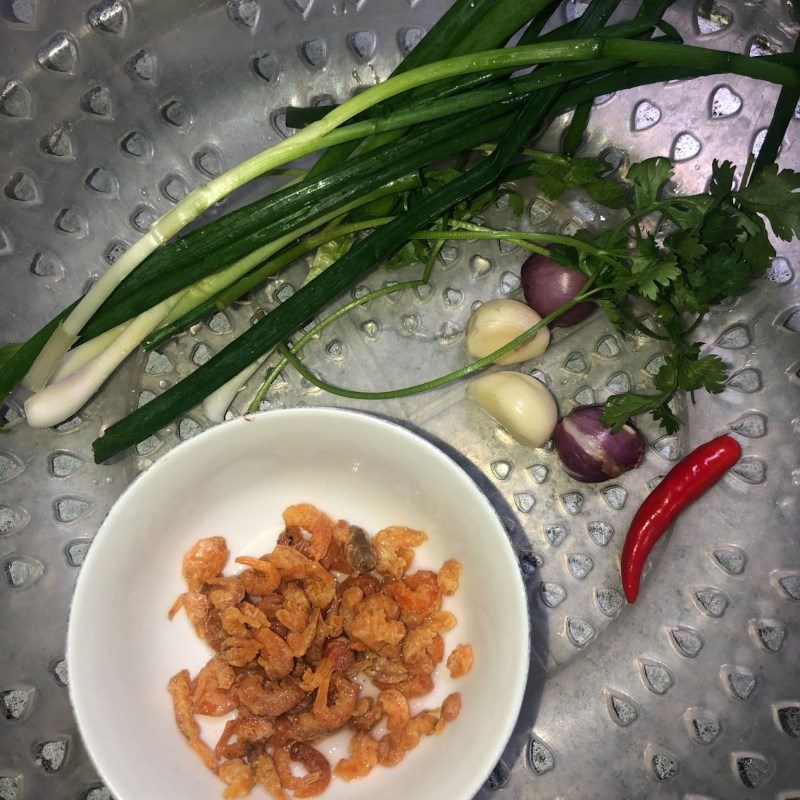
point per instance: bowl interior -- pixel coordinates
(234, 481)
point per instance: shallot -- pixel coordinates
(547, 286)
(590, 452)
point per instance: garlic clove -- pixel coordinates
(496, 323)
(521, 404)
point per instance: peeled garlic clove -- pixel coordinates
(520, 403)
(498, 322)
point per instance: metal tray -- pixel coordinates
(108, 111)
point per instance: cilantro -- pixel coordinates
(707, 246)
(774, 195)
(648, 177)
(720, 224)
(413, 252)
(687, 245)
(649, 274)
(707, 373)
(688, 212)
(722, 176)
(612, 312)
(620, 408)
(667, 376)
(556, 177)
(718, 244)
(663, 415)
(329, 253)
(515, 201)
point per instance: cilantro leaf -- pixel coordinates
(515, 201)
(607, 193)
(435, 179)
(415, 251)
(329, 253)
(685, 300)
(722, 176)
(611, 310)
(555, 177)
(774, 194)
(758, 252)
(686, 244)
(721, 224)
(619, 408)
(663, 415)
(648, 177)
(689, 212)
(649, 268)
(726, 274)
(479, 203)
(666, 378)
(659, 272)
(707, 373)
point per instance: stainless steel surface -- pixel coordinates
(107, 111)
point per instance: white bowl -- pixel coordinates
(234, 480)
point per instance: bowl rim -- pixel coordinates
(80, 599)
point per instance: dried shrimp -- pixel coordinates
(295, 636)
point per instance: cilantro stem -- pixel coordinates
(693, 327)
(442, 380)
(481, 232)
(636, 325)
(324, 323)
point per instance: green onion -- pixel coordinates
(169, 285)
(371, 170)
(573, 138)
(302, 143)
(452, 26)
(782, 116)
(21, 362)
(228, 295)
(450, 138)
(66, 396)
(208, 287)
(291, 314)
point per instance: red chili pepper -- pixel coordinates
(685, 482)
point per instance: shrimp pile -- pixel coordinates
(296, 635)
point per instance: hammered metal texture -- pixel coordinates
(109, 112)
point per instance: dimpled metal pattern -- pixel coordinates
(111, 111)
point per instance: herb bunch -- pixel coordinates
(708, 247)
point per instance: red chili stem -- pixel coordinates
(686, 481)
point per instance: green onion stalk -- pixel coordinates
(437, 383)
(242, 286)
(206, 288)
(290, 355)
